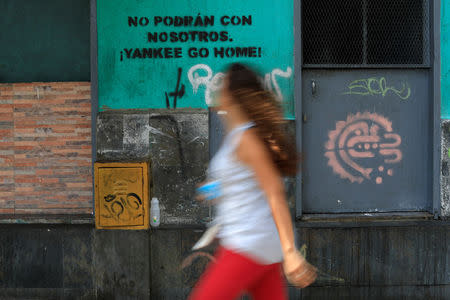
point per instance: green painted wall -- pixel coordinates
(445, 59)
(45, 40)
(128, 78)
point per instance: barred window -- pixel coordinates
(365, 32)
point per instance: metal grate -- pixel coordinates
(365, 32)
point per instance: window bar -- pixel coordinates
(364, 15)
(426, 32)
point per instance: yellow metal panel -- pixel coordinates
(121, 196)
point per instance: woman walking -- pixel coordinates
(256, 232)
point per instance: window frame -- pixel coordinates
(426, 49)
(434, 69)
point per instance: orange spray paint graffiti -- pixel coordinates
(361, 146)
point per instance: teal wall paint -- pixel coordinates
(45, 40)
(142, 83)
(445, 59)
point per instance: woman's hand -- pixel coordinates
(297, 270)
(208, 191)
(199, 196)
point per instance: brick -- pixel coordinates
(19, 115)
(74, 160)
(4, 140)
(63, 126)
(25, 100)
(83, 102)
(6, 178)
(6, 133)
(25, 130)
(17, 87)
(26, 179)
(40, 172)
(52, 141)
(6, 93)
(26, 143)
(6, 161)
(63, 130)
(7, 194)
(52, 101)
(79, 137)
(6, 109)
(45, 180)
(23, 148)
(32, 124)
(6, 124)
(6, 187)
(20, 156)
(78, 184)
(70, 172)
(6, 145)
(24, 123)
(6, 203)
(25, 164)
(27, 171)
(45, 141)
(7, 117)
(71, 151)
(71, 109)
(6, 172)
(6, 86)
(24, 189)
(23, 105)
(60, 90)
(53, 187)
(27, 156)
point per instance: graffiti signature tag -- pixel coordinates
(202, 74)
(377, 86)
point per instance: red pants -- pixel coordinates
(232, 274)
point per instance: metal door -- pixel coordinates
(367, 106)
(366, 140)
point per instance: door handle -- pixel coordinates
(313, 87)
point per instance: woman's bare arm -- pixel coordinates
(252, 152)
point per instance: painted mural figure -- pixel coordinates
(253, 222)
(364, 147)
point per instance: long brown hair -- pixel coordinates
(261, 106)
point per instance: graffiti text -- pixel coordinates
(377, 86)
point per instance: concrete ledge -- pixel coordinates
(370, 220)
(47, 219)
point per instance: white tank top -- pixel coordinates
(244, 215)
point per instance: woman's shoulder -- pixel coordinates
(251, 146)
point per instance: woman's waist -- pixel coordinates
(265, 247)
(254, 229)
(235, 212)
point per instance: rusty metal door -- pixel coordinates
(367, 106)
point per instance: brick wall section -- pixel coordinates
(45, 148)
